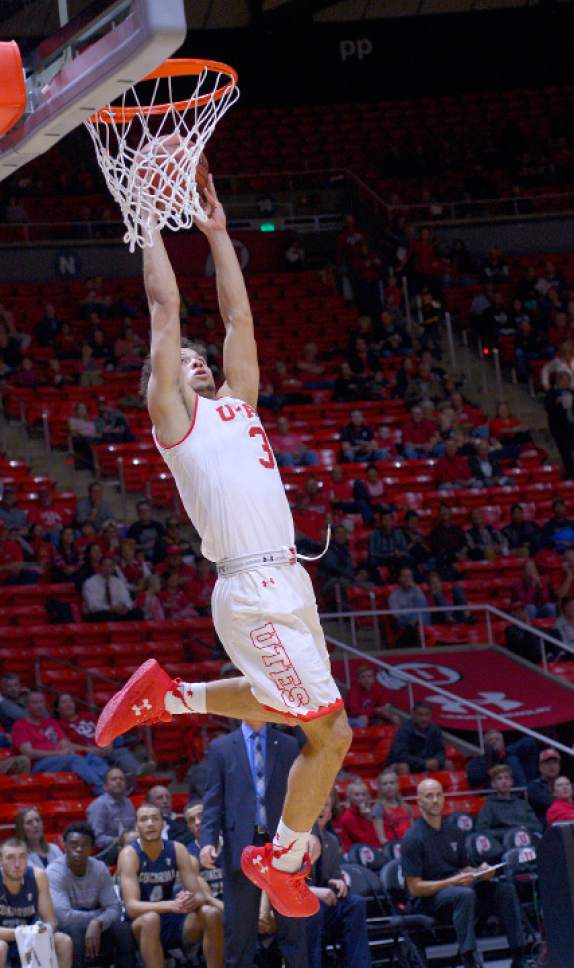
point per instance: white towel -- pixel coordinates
(36, 945)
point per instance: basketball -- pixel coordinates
(163, 169)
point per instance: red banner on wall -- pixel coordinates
(487, 676)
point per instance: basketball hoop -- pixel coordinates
(155, 187)
(13, 86)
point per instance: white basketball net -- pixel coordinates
(153, 187)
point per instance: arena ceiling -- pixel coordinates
(20, 18)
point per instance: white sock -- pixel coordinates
(289, 846)
(189, 697)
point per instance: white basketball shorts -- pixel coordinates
(268, 623)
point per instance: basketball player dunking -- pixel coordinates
(263, 604)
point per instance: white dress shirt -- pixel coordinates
(95, 595)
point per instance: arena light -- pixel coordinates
(267, 227)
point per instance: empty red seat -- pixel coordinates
(58, 815)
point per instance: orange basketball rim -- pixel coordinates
(175, 67)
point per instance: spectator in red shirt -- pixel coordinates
(392, 816)
(200, 587)
(533, 592)
(562, 807)
(44, 556)
(289, 448)
(68, 559)
(507, 429)
(420, 436)
(149, 601)
(48, 516)
(174, 536)
(13, 570)
(366, 701)
(313, 497)
(355, 825)
(452, 469)
(174, 563)
(386, 441)
(80, 728)
(174, 599)
(340, 491)
(133, 565)
(368, 494)
(45, 743)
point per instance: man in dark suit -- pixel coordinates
(340, 911)
(246, 784)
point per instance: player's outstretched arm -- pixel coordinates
(239, 349)
(165, 401)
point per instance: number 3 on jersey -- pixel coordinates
(269, 460)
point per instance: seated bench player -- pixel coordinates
(149, 868)
(25, 899)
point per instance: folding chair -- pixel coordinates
(462, 821)
(482, 848)
(366, 856)
(410, 928)
(522, 868)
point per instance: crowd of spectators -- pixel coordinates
(86, 905)
(147, 569)
(151, 569)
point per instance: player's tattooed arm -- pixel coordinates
(239, 349)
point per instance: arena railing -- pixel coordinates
(288, 212)
(411, 680)
(490, 611)
(353, 651)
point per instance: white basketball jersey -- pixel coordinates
(228, 481)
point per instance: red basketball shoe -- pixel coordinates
(139, 703)
(288, 893)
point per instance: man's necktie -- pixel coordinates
(261, 813)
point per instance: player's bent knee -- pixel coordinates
(330, 733)
(211, 916)
(193, 927)
(147, 923)
(63, 943)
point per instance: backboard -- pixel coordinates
(89, 62)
